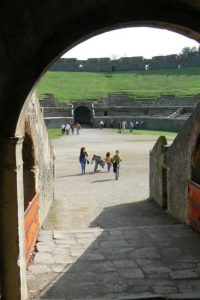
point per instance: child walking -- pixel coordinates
(109, 160)
(116, 164)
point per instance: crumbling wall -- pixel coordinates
(179, 159)
(136, 63)
(157, 174)
(31, 122)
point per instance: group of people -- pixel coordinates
(66, 128)
(99, 161)
(122, 126)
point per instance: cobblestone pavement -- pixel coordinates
(103, 239)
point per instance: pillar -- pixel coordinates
(12, 236)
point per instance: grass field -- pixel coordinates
(55, 133)
(68, 86)
(150, 132)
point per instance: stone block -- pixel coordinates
(166, 289)
(148, 252)
(125, 263)
(59, 268)
(185, 296)
(184, 274)
(156, 270)
(92, 256)
(39, 269)
(149, 262)
(132, 274)
(43, 258)
(63, 259)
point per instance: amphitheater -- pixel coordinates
(165, 112)
(161, 113)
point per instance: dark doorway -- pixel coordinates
(82, 115)
(196, 162)
(28, 170)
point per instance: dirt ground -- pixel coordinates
(97, 199)
(103, 238)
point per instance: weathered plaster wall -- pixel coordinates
(178, 161)
(160, 123)
(126, 63)
(156, 169)
(31, 121)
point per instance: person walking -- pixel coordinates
(72, 128)
(83, 159)
(131, 127)
(116, 164)
(63, 129)
(78, 127)
(119, 127)
(67, 129)
(101, 124)
(108, 160)
(98, 161)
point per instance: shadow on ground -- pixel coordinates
(145, 212)
(154, 256)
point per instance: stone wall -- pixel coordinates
(126, 63)
(31, 123)
(178, 163)
(150, 123)
(166, 113)
(157, 172)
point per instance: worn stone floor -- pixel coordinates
(104, 239)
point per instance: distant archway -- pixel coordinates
(82, 115)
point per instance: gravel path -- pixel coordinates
(98, 200)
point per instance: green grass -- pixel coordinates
(54, 133)
(68, 86)
(149, 132)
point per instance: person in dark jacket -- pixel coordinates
(83, 159)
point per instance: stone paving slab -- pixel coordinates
(114, 266)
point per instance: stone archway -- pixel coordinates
(59, 26)
(82, 115)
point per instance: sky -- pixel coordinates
(128, 42)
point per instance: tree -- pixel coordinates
(188, 50)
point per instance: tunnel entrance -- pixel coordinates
(82, 115)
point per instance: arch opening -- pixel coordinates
(25, 83)
(82, 115)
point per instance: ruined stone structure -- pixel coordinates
(172, 168)
(55, 113)
(162, 113)
(38, 158)
(36, 170)
(137, 63)
(33, 35)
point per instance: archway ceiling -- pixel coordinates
(34, 34)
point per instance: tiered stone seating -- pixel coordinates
(57, 112)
